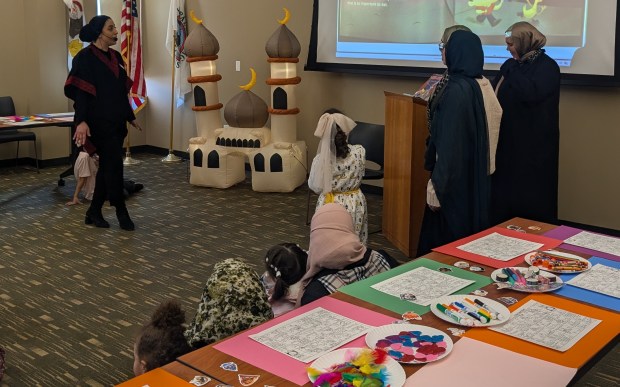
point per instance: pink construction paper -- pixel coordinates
(244, 348)
(565, 232)
(471, 362)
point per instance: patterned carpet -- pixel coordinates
(72, 297)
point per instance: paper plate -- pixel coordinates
(403, 342)
(501, 313)
(396, 372)
(529, 258)
(540, 288)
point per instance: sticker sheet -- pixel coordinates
(546, 325)
(600, 279)
(311, 335)
(423, 283)
(500, 247)
(597, 242)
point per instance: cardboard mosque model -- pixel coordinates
(218, 154)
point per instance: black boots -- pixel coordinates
(95, 217)
(123, 219)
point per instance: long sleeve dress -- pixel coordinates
(347, 179)
(525, 183)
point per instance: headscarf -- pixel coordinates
(233, 300)
(334, 244)
(525, 38)
(320, 179)
(91, 31)
(468, 59)
(465, 59)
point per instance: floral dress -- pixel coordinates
(233, 300)
(347, 178)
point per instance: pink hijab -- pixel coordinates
(334, 244)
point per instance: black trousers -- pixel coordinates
(109, 180)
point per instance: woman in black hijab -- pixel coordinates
(98, 84)
(528, 87)
(457, 154)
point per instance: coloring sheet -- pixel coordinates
(547, 326)
(311, 335)
(423, 283)
(598, 242)
(500, 247)
(601, 279)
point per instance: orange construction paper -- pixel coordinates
(578, 354)
(155, 378)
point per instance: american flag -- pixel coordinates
(131, 50)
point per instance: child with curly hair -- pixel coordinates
(161, 340)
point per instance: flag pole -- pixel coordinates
(172, 158)
(128, 159)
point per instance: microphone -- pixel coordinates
(112, 38)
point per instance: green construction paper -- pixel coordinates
(363, 291)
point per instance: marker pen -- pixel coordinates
(461, 320)
(511, 276)
(471, 312)
(480, 309)
(487, 307)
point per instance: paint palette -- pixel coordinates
(334, 359)
(528, 280)
(476, 311)
(558, 262)
(410, 343)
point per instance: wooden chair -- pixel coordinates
(7, 108)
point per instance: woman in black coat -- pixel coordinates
(98, 84)
(525, 183)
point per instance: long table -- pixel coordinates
(43, 121)
(491, 354)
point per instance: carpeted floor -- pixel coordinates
(72, 296)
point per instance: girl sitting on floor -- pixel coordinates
(336, 256)
(233, 300)
(161, 340)
(285, 265)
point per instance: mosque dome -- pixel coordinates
(283, 44)
(201, 42)
(246, 110)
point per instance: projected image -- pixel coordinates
(410, 29)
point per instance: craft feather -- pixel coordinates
(361, 369)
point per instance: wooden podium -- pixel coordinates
(404, 184)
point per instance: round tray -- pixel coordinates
(540, 288)
(501, 313)
(396, 372)
(529, 258)
(410, 343)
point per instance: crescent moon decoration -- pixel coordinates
(252, 82)
(287, 15)
(194, 18)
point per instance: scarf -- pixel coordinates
(320, 179)
(334, 244)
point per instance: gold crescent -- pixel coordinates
(194, 18)
(287, 15)
(252, 82)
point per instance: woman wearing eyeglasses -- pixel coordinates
(528, 88)
(464, 117)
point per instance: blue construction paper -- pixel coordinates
(580, 294)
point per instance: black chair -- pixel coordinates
(7, 108)
(371, 137)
